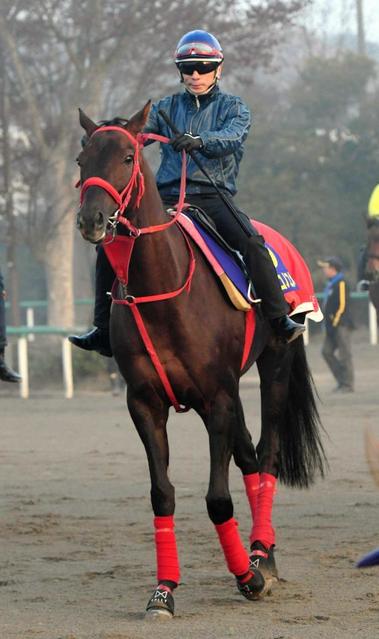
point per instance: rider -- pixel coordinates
(215, 125)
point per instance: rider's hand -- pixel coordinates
(187, 142)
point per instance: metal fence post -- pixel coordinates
(22, 348)
(373, 323)
(67, 368)
(30, 322)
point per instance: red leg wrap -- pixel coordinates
(262, 528)
(236, 556)
(252, 482)
(166, 551)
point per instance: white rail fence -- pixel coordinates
(25, 334)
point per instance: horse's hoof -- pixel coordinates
(158, 614)
(263, 559)
(160, 606)
(254, 588)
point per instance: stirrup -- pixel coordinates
(252, 300)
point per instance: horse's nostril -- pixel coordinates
(99, 219)
(79, 222)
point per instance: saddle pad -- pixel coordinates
(293, 273)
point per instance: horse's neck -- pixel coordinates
(157, 263)
(151, 210)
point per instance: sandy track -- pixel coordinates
(77, 558)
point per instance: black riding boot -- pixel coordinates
(263, 274)
(6, 373)
(98, 338)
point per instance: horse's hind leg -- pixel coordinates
(274, 366)
(150, 420)
(246, 459)
(221, 422)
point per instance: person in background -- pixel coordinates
(336, 349)
(6, 373)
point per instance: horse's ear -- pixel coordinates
(88, 125)
(139, 119)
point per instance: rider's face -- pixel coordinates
(199, 83)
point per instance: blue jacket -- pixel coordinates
(336, 306)
(222, 121)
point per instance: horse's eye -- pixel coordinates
(129, 159)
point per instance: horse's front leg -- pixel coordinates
(221, 422)
(150, 420)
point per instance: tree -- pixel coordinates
(107, 57)
(313, 159)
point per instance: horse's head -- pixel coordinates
(373, 247)
(109, 171)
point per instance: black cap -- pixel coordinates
(333, 261)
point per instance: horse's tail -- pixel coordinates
(302, 454)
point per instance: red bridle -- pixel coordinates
(136, 181)
(123, 200)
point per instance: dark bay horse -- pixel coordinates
(199, 339)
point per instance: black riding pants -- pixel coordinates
(243, 239)
(251, 246)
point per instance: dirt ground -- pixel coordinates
(77, 556)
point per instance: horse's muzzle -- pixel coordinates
(92, 228)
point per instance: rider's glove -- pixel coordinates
(187, 142)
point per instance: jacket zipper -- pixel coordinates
(197, 111)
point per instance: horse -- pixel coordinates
(184, 347)
(372, 264)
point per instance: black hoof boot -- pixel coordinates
(6, 373)
(96, 340)
(160, 604)
(263, 559)
(286, 329)
(254, 587)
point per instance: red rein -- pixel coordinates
(123, 200)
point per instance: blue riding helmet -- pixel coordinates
(198, 45)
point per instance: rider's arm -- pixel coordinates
(229, 138)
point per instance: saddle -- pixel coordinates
(200, 218)
(293, 274)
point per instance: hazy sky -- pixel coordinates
(336, 15)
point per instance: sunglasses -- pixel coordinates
(188, 68)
